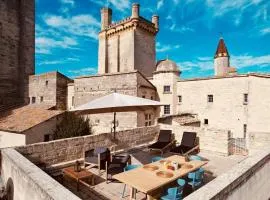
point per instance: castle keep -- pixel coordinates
(127, 45)
(17, 39)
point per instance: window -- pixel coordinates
(179, 99)
(245, 130)
(46, 83)
(210, 98)
(33, 99)
(166, 89)
(148, 119)
(245, 98)
(46, 137)
(152, 97)
(72, 101)
(205, 121)
(41, 99)
(167, 109)
(143, 96)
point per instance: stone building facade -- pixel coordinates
(88, 88)
(17, 41)
(127, 45)
(50, 89)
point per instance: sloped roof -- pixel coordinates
(221, 49)
(26, 117)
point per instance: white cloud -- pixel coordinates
(180, 29)
(160, 4)
(121, 5)
(265, 31)
(56, 62)
(243, 61)
(83, 71)
(70, 2)
(44, 45)
(80, 25)
(239, 61)
(164, 48)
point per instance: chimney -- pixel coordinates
(106, 17)
(155, 20)
(135, 10)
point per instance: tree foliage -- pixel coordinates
(72, 125)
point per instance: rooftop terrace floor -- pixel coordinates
(113, 190)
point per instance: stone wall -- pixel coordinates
(212, 140)
(145, 52)
(131, 83)
(17, 30)
(257, 141)
(8, 139)
(29, 181)
(38, 132)
(49, 88)
(247, 180)
(228, 110)
(73, 148)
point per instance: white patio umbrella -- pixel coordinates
(116, 102)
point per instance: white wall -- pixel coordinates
(247, 180)
(160, 80)
(70, 96)
(8, 139)
(30, 182)
(36, 134)
(226, 112)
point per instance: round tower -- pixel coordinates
(221, 59)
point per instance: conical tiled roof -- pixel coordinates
(221, 49)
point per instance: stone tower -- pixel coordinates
(17, 41)
(127, 45)
(221, 59)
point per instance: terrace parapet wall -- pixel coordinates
(247, 180)
(27, 181)
(64, 150)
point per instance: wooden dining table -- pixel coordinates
(146, 180)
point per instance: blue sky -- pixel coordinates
(66, 33)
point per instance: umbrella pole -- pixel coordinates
(114, 125)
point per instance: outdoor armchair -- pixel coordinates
(165, 140)
(188, 144)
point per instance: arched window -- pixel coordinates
(10, 189)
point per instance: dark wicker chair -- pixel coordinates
(188, 144)
(165, 140)
(117, 165)
(97, 157)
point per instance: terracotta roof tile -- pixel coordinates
(26, 117)
(221, 49)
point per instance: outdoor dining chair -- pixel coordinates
(196, 178)
(175, 193)
(128, 168)
(165, 140)
(116, 165)
(188, 144)
(195, 157)
(97, 157)
(156, 158)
